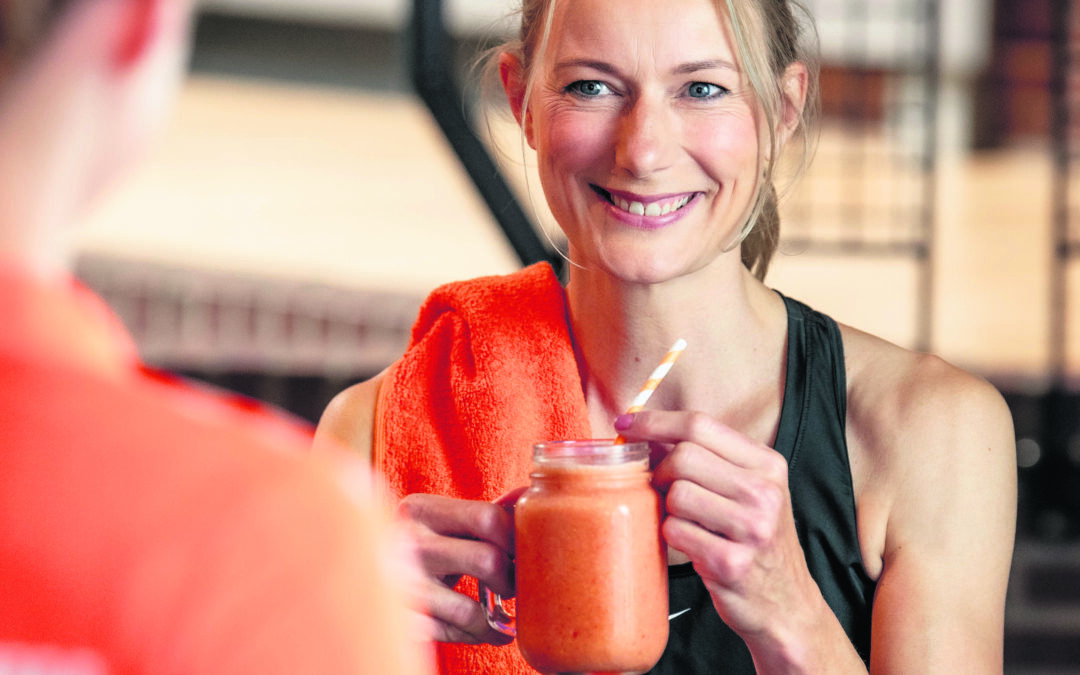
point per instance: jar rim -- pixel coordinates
(597, 451)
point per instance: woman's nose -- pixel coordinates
(646, 139)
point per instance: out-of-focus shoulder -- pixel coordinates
(349, 418)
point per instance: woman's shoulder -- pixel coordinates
(894, 392)
(349, 418)
(931, 446)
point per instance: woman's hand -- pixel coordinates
(455, 537)
(729, 511)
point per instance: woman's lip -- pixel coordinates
(640, 218)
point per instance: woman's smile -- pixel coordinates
(646, 211)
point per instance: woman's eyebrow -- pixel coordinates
(681, 69)
(707, 64)
(602, 66)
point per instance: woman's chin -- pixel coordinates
(644, 270)
(651, 268)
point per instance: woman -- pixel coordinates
(834, 503)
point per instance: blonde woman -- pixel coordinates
(835, 503)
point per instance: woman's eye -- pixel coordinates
(704, 90)
(588, 88)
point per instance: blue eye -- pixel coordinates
(704, 90)
(588, 88)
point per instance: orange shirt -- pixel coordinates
(149, 527)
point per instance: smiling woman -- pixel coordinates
(817, 480)
(612, 128)
(785, 99)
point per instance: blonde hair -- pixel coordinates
(769, 35)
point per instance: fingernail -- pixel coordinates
(624, 421)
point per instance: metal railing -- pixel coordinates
(433, 78)
(1050, 484)
(872, 188)
(1065, 131)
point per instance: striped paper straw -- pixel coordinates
(654, 380)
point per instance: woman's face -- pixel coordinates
(646, 135)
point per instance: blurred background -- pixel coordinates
(304, 199)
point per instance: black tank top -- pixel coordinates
(811, 438)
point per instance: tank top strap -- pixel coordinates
(812, 437)
(815, 394)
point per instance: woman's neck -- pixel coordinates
(734, 327)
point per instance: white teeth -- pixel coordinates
(653, 209)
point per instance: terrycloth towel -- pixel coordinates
(489, 371)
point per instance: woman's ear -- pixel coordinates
(512, 74)
(794, 99)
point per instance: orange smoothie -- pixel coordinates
(591, 569)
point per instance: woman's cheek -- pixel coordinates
(734, 137)
(573, 154)
(578, 142)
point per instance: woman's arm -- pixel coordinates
(942, 448)
(453, 536)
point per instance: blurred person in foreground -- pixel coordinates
(835, 503)
(145, 526)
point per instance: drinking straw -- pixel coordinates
(654, 380)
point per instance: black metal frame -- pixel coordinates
(1050, 488)
(431, 73)
(918, 245)
(1066, 248)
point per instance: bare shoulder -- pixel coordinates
(932, 452)
(897, 395)
(349, 418)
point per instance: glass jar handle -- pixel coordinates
(497, 616)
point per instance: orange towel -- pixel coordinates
(489, 371)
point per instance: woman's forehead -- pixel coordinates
(668, 34)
